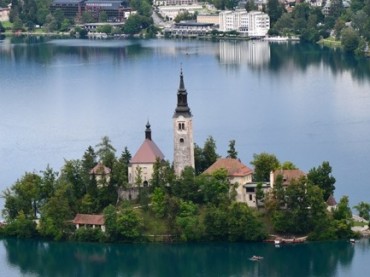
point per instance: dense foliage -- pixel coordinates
(350, 25)
(28, 14)
(190, 207)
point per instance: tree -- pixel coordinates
(260, 195)
(263, 164)
(129, 225)
(158, 202)
(288, 165)
(206, 156)
(243, 224)
(274, 10)
(322, 177)
(24, 196)
(216, 223)
(215, 188)
(55, 214)
(2, 29)
(188, 221)
(87, 17)
(363, 209)
(250, 6)
(135, 23)
(103, 16)
(110, 218)
(350, 39)
(343, 211)
(183, 16)
(106, 152)
(120, 169)
(232, 153)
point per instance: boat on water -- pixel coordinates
(256, 258)
(352, 241)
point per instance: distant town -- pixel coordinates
(337, 23)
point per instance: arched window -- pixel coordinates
(181, 126)
(181, 140)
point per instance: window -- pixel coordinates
(181, 140)
(181, 125)
(250, 197)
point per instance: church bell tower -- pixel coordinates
(183, 131)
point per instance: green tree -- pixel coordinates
(363, 209)
(72, 173)
(250, 6)
(243, 224)
(21, 227)
(55, 215)
(215, 188)
(188, 222)
(103, 16)
(288, 165)
(186, 186)
(231, 152)
(184, 16)
(260, 195)
(343, 211)
(23, 196)
(120, 169)
(107, 29)
(110, 218)
(129, 225)
(159, 202)
(350, 39)
(87, 17)
(263, 164)
(274, 10)
(216, 223)
(106, 152)
(322, 177)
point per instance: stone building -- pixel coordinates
(183, 131)
(141, 165)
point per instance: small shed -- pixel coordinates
(89, 221)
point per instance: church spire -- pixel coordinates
(148, 131)
(182, 99)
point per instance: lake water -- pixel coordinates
(303, 103)
(36, 258)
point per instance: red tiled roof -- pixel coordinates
(147, 153)
(100, 169)
(89, 219)
(289, 175)
(234, 167)
(331, 201)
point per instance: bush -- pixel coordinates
(89, 234)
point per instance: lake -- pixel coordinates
(38, 258)
(301, 102)
(304, 103)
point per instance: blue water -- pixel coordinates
(301, 102)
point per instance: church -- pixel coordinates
(141, 165)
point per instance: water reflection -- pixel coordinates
(83, 259)
(256, 54)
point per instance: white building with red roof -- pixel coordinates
(237, 172)
(141, 164)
